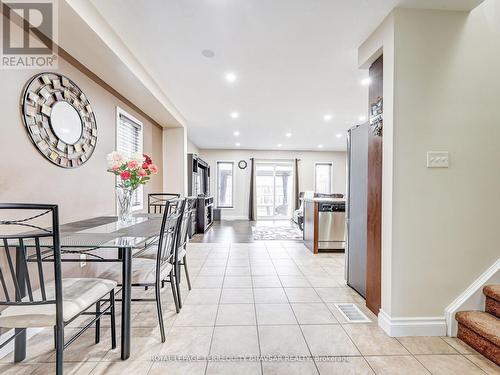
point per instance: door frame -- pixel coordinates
(274, 163)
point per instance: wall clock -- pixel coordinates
(59, 119)
(242, 164)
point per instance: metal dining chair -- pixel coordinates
(30, 234)
(155, 271)
(182, 241)
(157, 201)
(185, 208)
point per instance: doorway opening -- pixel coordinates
(274, 189)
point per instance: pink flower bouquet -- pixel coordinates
(133, 171)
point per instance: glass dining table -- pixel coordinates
(105, 239)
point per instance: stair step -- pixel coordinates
(479, 343)
(492, 291)
(492, 307)
(481, 331)
(484, 324)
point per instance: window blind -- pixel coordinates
(128, 142)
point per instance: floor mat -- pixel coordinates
(276, 233)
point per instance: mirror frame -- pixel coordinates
(40, 94)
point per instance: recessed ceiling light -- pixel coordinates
(366, 81)
(320, 146)
(279, 145)
(236, 133)
(327, 117)
(288, 134)
(237, 144)
(231, 77)
(208, 53)
(362, 118)
(339, 135)
(235, 115)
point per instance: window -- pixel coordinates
(225, 171)
(323, 178)
(128, 141)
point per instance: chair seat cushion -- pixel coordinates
(143, 271)
(78, 295)
(151, 251)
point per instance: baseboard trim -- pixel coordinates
(415, 326)
(9, 348)
(230, 218)
(472, 298)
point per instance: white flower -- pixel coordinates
(114, 159)
(138, 157)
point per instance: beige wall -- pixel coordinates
(447, 87)
(242, 177)
(175, 160)
(81, 192)
(440, 225)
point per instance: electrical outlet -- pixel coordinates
(438, 159)
(83, 260)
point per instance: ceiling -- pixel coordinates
(295, 61)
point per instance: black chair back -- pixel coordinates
(30, 233)
(158, 201)
(185, 222)
(168, 234)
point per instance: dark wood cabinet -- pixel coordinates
(199, 187)
(204, 213)
(374, 218)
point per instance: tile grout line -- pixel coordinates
(457, 355)
(171, 327)
(276, 263)
(339, 323)
(364, 357)
(295, 315)
(357, 348)
(412, 355)
(218, 307)
(467, 358)
(256, 321)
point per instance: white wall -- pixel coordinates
(175, 160)
(192, 148)
(443, 222)
(242, 177)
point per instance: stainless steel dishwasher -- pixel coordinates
(331, 228)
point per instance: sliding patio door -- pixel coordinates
(274, 186)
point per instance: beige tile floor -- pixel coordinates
(253, 301)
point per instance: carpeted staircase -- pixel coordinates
(481, 330)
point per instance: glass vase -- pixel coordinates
(124, 196)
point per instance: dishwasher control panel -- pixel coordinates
(331, 207)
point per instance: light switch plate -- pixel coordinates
(83, 260)
(438, 159)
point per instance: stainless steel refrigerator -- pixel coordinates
(356, 210)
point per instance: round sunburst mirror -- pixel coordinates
(59, 119)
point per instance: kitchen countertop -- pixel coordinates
(322, 200)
